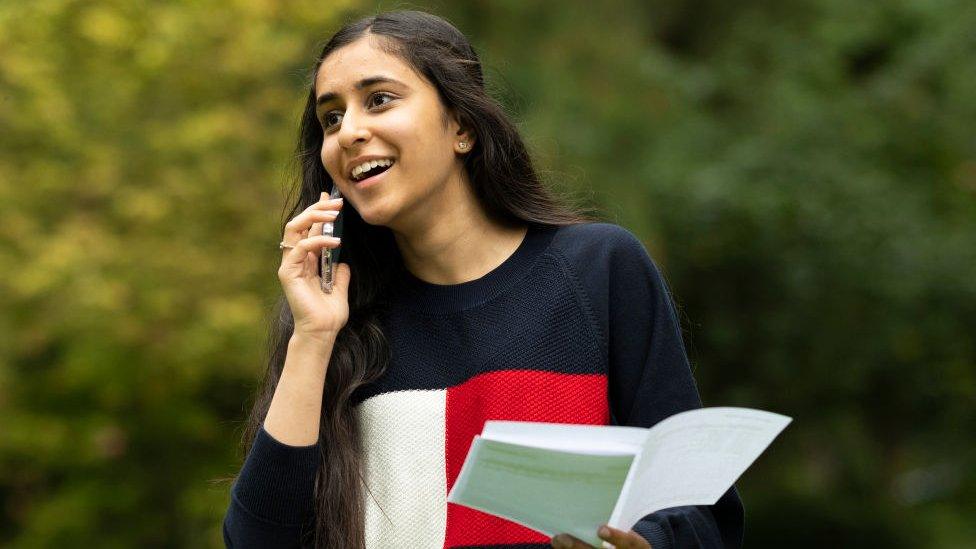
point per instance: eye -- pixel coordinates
(379, 94)
(328, 120)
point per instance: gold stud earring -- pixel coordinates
(463, 145)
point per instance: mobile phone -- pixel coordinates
(330, 256)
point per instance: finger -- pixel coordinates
(621, 539)
(566, 541)
(300, 226)
(312, 259)
(298, 254)
(325, 203)
(316, 229)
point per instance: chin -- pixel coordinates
(375, 216)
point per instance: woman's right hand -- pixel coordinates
(317, 314)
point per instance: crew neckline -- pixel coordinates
(446, 298)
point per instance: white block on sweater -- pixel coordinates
(405, 470)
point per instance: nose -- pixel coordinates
(353, 129)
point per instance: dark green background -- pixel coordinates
(804, 172)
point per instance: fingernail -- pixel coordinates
(604, 532)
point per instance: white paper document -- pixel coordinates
(560, 478)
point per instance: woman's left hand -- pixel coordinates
(619, 539)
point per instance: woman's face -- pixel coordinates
(401, 119)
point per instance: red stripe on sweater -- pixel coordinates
(516, 395)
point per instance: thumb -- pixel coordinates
(343, 274)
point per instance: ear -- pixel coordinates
(464, 141)
(461, 135)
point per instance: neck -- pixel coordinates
(458, 244)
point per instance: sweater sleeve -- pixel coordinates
(272, 496)
(649, 375)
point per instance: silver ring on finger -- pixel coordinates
(283, 246)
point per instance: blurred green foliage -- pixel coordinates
(804, 172)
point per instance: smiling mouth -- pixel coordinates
(372, 172)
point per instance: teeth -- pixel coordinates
(366, 166)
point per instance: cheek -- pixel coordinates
(330, 159)
(418, 141)
(402, 130)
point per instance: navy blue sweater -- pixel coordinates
(576, 326)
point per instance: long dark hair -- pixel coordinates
(506, 186)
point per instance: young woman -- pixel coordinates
(466, 292)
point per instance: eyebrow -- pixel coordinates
(365, 82)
